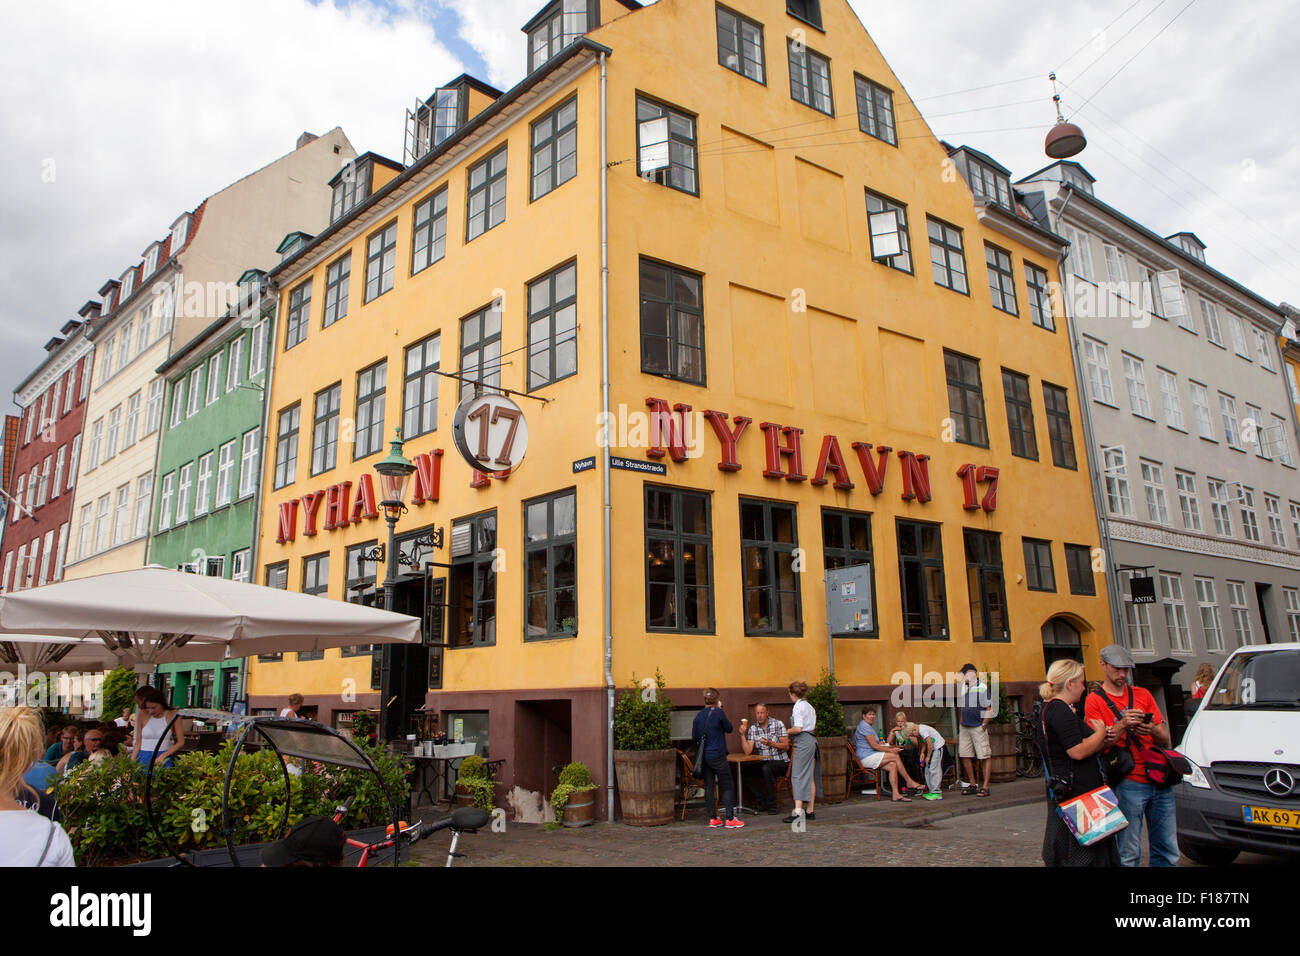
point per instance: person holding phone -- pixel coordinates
(1137, 722)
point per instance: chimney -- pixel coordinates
(304, 139)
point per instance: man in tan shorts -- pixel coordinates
(974, 710)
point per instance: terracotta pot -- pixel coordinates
(580, 811)
(835, 763)
(646, 780)
(464, 798)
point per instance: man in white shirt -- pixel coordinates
(932, 744)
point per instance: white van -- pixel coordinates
(1244, 745)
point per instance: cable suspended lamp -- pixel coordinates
(1064, 140)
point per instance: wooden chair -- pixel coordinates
(860, 775)
(688, 786)
(783, 783)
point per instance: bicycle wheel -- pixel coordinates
(1028, 763)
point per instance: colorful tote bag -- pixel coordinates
(1093, 816)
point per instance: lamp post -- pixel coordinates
(395, 471)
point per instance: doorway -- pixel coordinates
(543, 743)
(1261, 601)
(404, 668)
(1061, 641)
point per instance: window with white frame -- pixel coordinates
(1228, 412)
(1262, 349)
(114, 432)
(124, 345)
(1218, 492)
(47, 556)
(1240, 613)
(146, 327)
(1276, 530)
(239, 565)
(74, 462)
(96, 443)
(121, 515)
(20, 572)
(1116, 472)
(132, 420)
(180, 229)
(1098, 363)
(43, 493)
(1256, 430)
(86, 529)
(61, 554)
(103, 523)
(1136, 380)
(214, 378)
(1169, 400)
(178, 402)
(9, 563)
(1201, 410)
(249, 456)
(1294, 508)
(1249, 522)
(57, 485)
(225, 474)
(1153, 481)
(183, 483)
(1188, 503)
(17, 507)
(143, 502)
(1290, 597)
(1207, 603)
(1293, 383)
(1137, 618)
(153, 409)
(257, 348)
(165, 502)
(196, 392)
(203, 487)
(68, 396)
(1213, 330)
(1278, 440)
(1238, 336)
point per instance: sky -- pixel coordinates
(115, 118)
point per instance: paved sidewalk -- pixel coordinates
(861, 831)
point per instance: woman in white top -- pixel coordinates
(149, 734)
(804, 755)
(26, 837)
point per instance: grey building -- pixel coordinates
(1193, 439)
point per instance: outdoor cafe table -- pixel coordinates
(740, 759)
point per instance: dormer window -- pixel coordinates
(128, 283)
(291, 244)
(150, 261)
(1076, 179)
(180, 232)
(555, 28)
(108, 303)
(1190, 245)
(446, 113)
(351, 188)
(988, 184)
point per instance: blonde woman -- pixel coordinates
(1204, 677)
(26, 837)
(1070, 747)
(804, 755)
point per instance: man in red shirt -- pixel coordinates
(1134, 721)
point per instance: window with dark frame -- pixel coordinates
(286, 447)
(846, 542)
(810, 78)
(420, 387)
(1040, 297)
(473, 597)
(1039, 573)
(875, 110)
(740, 44)
(1078, 565)
(672, 322)
(315, 580)
(947, 256)
(769, 536)
(679, 561)
(325, 429)
(987, 184)
(987, 586)
(277, 576)
(336, 290)
(1002, 280)
(295, 323)
(359, 588)
(351, 190)
(661, 130)
(920, 572)
(966, 399)
(809, 11)
(381, 261)
(550, 566)
(555, 148)
(1020, 415)
(876, 204)
(429, 231)
(480, 349)
(553, 327)
(372, 390)
(1057, 403)
(485, 201)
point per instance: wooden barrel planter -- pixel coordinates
(645, 785)
(1002, 744)
(835, 762)
(463, 797)
(580, 811)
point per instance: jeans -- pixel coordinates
(716, 769)
(1156, 804)
(763, 776)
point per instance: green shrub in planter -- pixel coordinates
(574, 778)
(643, 717)
(473, 767)
(826, 702)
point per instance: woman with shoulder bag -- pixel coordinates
(1070, 748)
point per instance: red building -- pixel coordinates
(44, 461)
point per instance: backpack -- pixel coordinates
(1163, 768)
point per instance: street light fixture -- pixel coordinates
(395, 472)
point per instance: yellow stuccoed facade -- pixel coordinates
(801, 330)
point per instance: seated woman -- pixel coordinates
(881, 757)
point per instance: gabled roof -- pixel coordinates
(537, 17)
(293, 239)
(361, 161)
(1190, 235)
(474, 83)
(54, 343)
(982, 157)
(1060, 162)
(69, 327)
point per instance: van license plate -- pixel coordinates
(1268, 817)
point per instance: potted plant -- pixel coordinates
(645, 763)
(574, 797)
(473, 786)
(830, 738)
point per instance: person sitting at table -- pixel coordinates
(766, 735)
(93, 741)
(880, 757)
(69, 740)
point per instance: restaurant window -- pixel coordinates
(336, 290)
(1057, 403)
(371, 395)
(277, 576)
(316, 574)
(485, 203)
(359, 579)
(550, 567)
(1039, 573)
(875, 110)
(769, 536)
(1020, 415)
(429, 235)
(679, 561)
(1002, 279)
(286, 447)
(846, 542)
(920, 571)
(987, 585)
(672, 323)
(667, 149)
(474, 581)
(381, 261)
(947, 255)
(878, 205)
(810, 78)
(295, 327)
(553, 327)
(420, 387)
(1078, 566)
(480, 350)
(555, 148)
(325, 429)
(1040, 297)
(966, 399)
(740, 44)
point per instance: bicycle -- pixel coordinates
(1029, 761)
(461, 820)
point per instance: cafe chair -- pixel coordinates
(858, 774)
(783, 783)
(689, 784)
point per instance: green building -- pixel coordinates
(209, 469)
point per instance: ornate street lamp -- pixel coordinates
(395, 472)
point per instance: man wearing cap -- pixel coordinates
(1133, 720)
(314, 841)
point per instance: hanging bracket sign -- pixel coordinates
(490, 432)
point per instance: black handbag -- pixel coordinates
(697, 765)
(1117, 762)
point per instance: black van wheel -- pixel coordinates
(1208, 855)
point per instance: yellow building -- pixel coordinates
(779, 402)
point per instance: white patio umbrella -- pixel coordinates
(40, 652)
(153, 615)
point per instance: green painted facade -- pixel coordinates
(206, 485)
